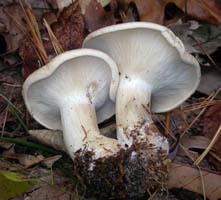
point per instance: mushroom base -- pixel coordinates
(131, 174)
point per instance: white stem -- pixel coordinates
(80, 131)
(134, 123)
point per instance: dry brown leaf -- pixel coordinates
(51, 186)
(6, 145)
(49, 137)
(189, 143)
(195, 142)
(9, 30)
(187, 177)
(83, 4)
(211, 122)
(29, 160)
(203, 10)
(96, 17)
(210, 81)
(69, 30)
(154, 11)
(48, 162)
(148, 10)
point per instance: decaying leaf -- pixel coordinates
(48, 162)
(195, 142)
(49, 137)
(83, 4)
(96, 17)
(189, 178)
(29, 160)
(51, 186)
(211, 122)
(148, 10)
(154, 11)
(8, 29)
(190, 143)
(69, 30)
(6, 145)
(13, 184)
(203, 10)
(210, 81)
(185, 31)
(198, 38)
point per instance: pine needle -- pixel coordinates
(168, 118)
(210, 98)
(206, 151)
(55, 43)
(32, 26)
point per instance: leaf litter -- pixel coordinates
(197, 23)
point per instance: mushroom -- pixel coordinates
(64, 94)
(156, 74)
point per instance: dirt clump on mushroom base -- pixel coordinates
(131, 174)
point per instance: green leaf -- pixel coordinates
(13, 184)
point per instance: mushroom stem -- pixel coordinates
(81, 133)
(134, 123)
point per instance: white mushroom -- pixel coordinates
(156, 73)
(64, 94)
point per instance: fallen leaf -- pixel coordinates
(49, 162)
(211, 122)
(50, 187)
(11, 33)
(148, 10)
(195, 142)
(96, 17)
(69, 30)
(29, 160)
(203, 10)
(83, 4)
(6, 145)
(49, 137)
(210, 81)
(190, 144)
(184, 31)
(154, 11)
(186, 177)
(13, 184)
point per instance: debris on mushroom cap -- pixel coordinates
(65, 93)
(155, 52)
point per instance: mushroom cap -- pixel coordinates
(153, 53)
(79, 76)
